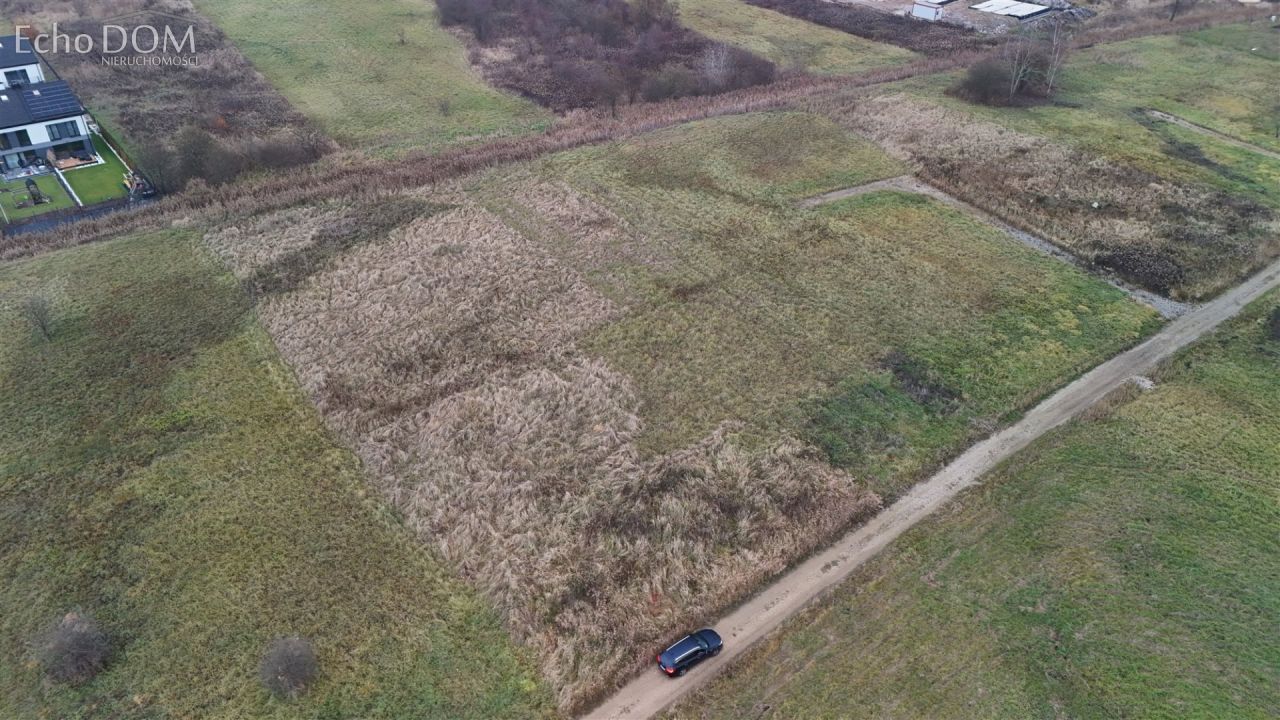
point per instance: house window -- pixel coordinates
(17, 77)
(23, 138)
(5, 142)
(63, 130)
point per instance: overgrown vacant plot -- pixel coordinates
(1122, 567)
(789, 42)
(606, 385)
(1163, 206)
(160, 470)
(150, 104)
(344, 64)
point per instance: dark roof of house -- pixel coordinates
(15, 51)
(40, 102)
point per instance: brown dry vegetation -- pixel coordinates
(874, 24)
(221, 93)
(445, 353)
(1173, 238)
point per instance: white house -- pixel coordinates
(19, 63)
(43, 122)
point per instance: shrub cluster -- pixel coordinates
(577, 53)
(196, 153)
(288, 667)
(73, 650)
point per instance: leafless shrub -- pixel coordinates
(986, 82)
(39, 314)
(73, 650)
(288, 667)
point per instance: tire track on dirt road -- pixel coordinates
(652, 692)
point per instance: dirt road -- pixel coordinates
(651, 692)
(1213, 134)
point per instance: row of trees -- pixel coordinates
(581, 53)
(1028, 65)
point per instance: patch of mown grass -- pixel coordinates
(160, 470)
(343, 65)
(14, 192)
(99, 183)
(788, 41)
(1124, 566)
(750, 308)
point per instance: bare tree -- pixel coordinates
(1018, 55)
(1057, 44)
(39, 312)
(716, 66)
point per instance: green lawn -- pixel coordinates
(342, 64)
(160, 469)
(746, 307)
(101, 182)
(788, 41)
(17, 193)
(1123, 567)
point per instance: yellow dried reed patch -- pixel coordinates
(445, 354)
(258, 241)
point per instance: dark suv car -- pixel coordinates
(689, 651)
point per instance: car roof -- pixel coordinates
(682, 647)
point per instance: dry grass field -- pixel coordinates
(1164, 207)
(607, 385)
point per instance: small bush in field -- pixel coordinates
(39, 313)
(74, 650)
(987, 83)
(1274, 324)
(288, 667)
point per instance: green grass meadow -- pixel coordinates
(343, 65)
(787, 41)
(160, 469)
(1123, 567)
(750, 308)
